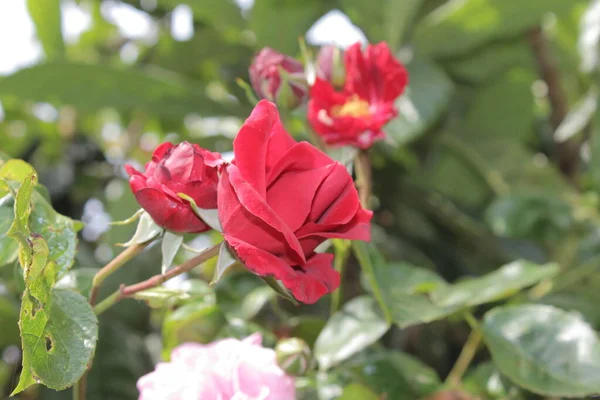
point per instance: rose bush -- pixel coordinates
(356, 115)
(280, 199)
(185, 168)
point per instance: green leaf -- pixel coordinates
(145, 231)
(486, 380)
(426, 99)
(396, 375)
(224, 15)
(530, 216)
(8, 246)
(368, 258)
(402, 286)
(504, 282)
(278, 24)
(355, 391)
(544, 349)
(171, 242)
(19, 229)
(160, 296)
(252, 304)
(472, 23)
(79, 280)
(579, 117)
(158, 93)
(59, 340)
(356, 326)
(192, 322)
(46, 17)
(16, 170)
(589, 40)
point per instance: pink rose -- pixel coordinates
(227, 369)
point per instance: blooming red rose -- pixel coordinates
(266, 78)
(185, 168)
(356, 115)
(280, 199)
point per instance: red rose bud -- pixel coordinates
(279, 199)
(279, 78)
(330, 65)
(293, 356)
(356, 115)
(185, 168)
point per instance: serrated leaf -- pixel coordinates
(210, 217)
(16, 170)
(225, 260)
(171, 242)
(504, 282)
(46, 17)
(356, 326)
(145, 231)
(426, 99)
(544, 349)
(158, 92)
(19, 229)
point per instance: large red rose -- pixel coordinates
(280, 199)
(356, 115)
(185, 168)
(266, 78)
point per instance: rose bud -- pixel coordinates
(185, 168)
(356, 115)
(330, 65)
(279, 199)
(279, 78)
(293, 356)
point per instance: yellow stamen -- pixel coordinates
(355, 107)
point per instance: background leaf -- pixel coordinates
(544, 349)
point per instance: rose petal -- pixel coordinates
(336, 200)
(250, 145)
(279, 142)
(161, 151)
(256, 205)
(180, 163)
(291, 195)
(314, 279)
(301, 156)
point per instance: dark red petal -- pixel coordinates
(392, 76)
(186, 221)
(358, 76)
(256, 205)
(157, 204)
(359, 228)
(137, 182)
(314, 279)
(250, 145)
(161, 151)
(291, 195)
(300, 157)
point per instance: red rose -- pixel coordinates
(356, 116)
(185, 168)
(266, 78)
(280, 199)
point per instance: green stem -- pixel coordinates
(364, 259)
(467, 354)
(362, 165)
(113, 266)
(341, 256)
(79, 388)
(128, 291)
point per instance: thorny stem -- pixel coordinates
(113, 266)
(362, 164)
(467, 354)
(128, 291)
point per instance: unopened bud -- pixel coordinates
(278, 78)
(293, 356)
(330, 66)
